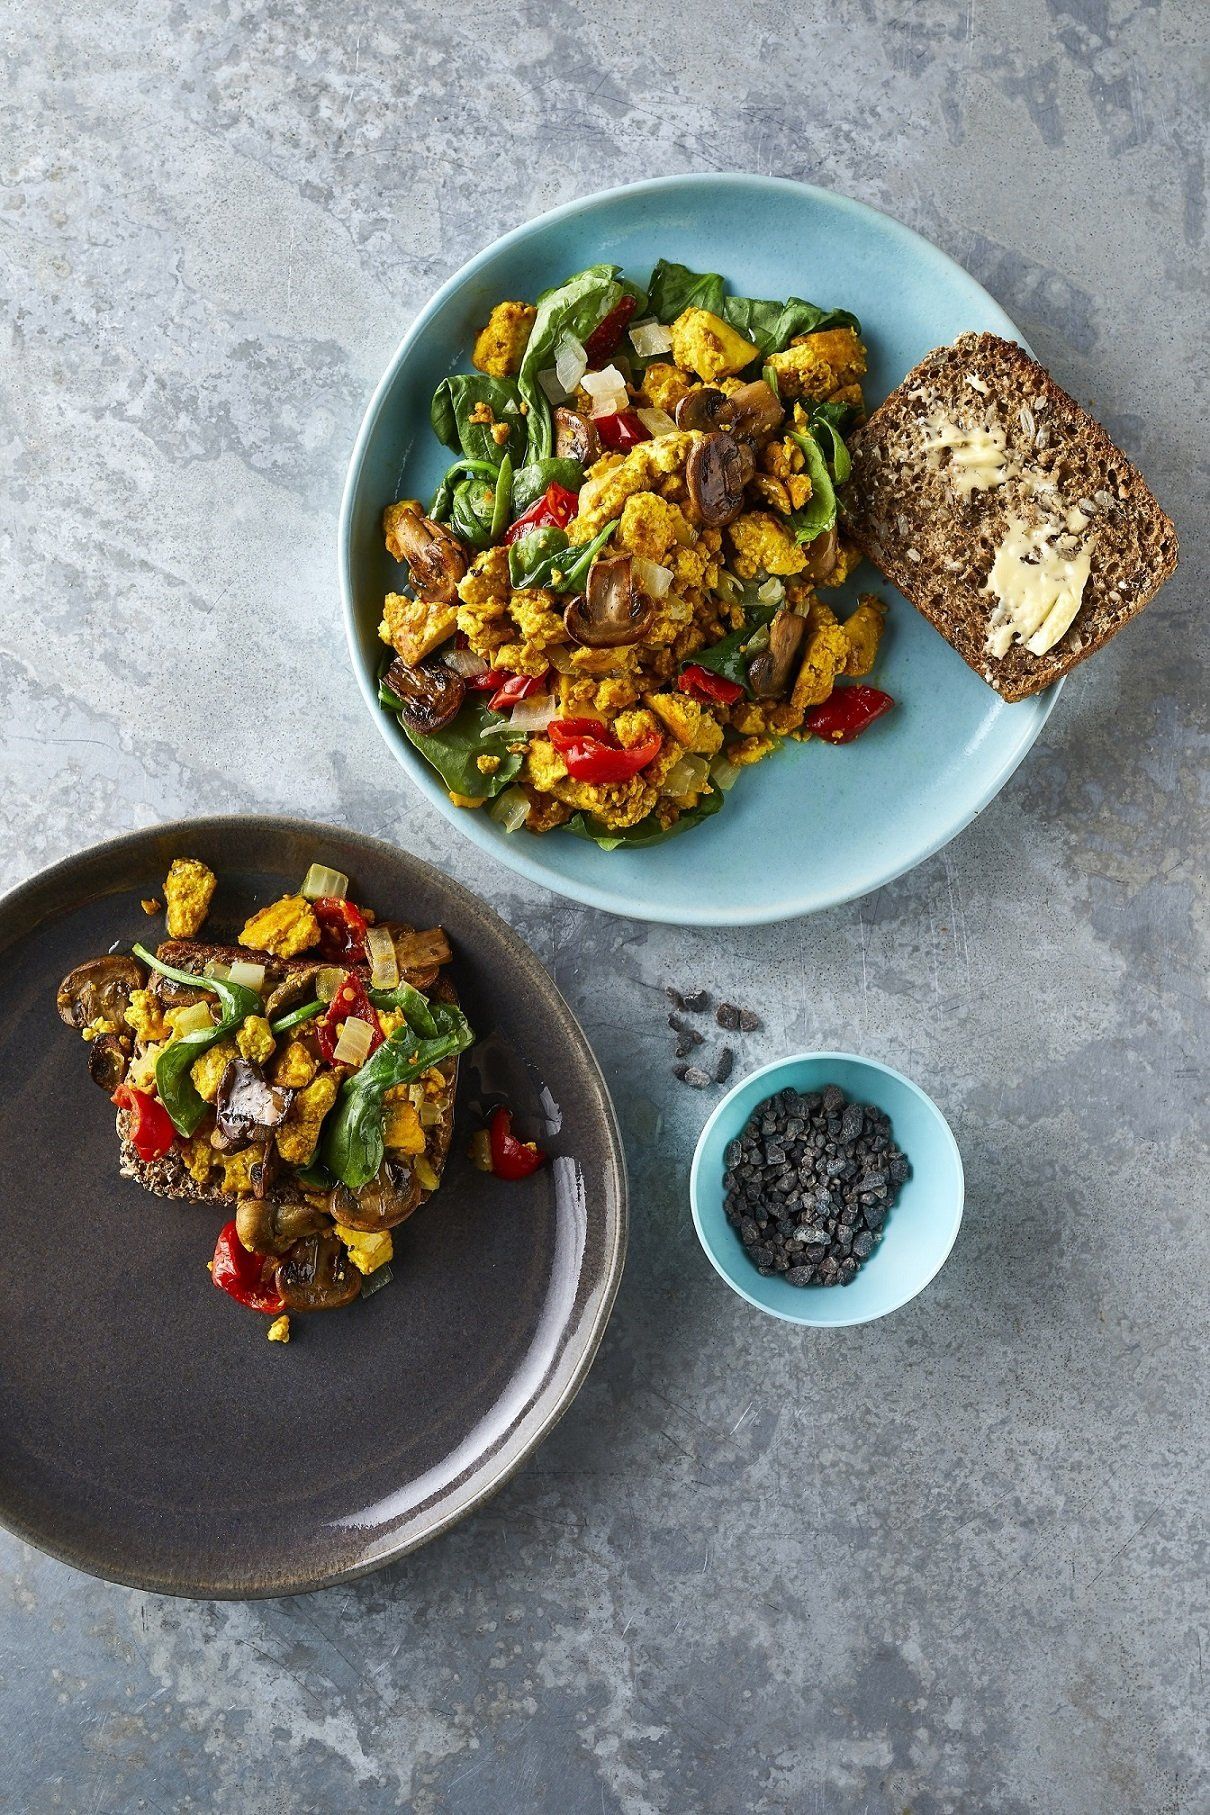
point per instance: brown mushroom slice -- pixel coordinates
(704, 408)
(107, 1062)
(317, 1275)
(294, 990)
(822, 555)
(436, 558)
(769, 672)
(247, 1105)
(420, 950)
(273, 1225)
(576, 438)
(613, 610)
(715, 474)
(99, 989)
(432, 694)
(753, 412)
(383, 1202)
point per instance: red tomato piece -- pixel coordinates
(350, 999)
(621, 431)
(515, 688)
(151, 1129)
(847, 712)
(553, 510)
(701, 684)
(248, 1278)
(511, 1158)
(342, 928)
(608, 331)
(593, 754)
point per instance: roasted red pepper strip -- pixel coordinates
(592, 753)
(488, 681)
(701, 684)
(847, 712)
(342, 928)
(553, 510)
(608, 331)
(247, 1277)
(350, 999)
(151, 1131)
(517, 687)
(511, 1158)
(621, 431)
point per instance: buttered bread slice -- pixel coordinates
(1005, 514)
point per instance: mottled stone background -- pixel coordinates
(954, 1561)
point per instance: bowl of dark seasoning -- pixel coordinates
(827, 1189)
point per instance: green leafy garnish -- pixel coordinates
(675, 288)
(825, 421)
(574, 307)
(532, 481)
(296, 1017)
(352, 1145)
(416, 1008)
(819, 512)
(771, 326)
(454, 403)
(503, 498)
(545, 557)
(455, 750)
(172, 1081)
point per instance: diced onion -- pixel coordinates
(549, 380)
(320, 883)
(429, 1115)
(571, 362)
(327, 981)
(607, 390)
(688, 775)
(216, 970)
(384, 966)
(532, 714)
(724, 773)
(374, 1282)
(353, 1046)
(424, 1172)
(649, 337)
(657, 422)
(728, 587)
(191, 1020)
(772, 592)
(248, 976)
(651, 578)
(511, 811)
(464, 662)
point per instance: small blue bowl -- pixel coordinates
(917, 1235)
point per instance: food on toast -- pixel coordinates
(1006, 515)
(301, 1077)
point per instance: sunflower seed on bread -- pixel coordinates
(1005, 514)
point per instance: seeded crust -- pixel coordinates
(938, 547)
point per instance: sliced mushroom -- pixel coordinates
(432, 694)
(98, 990)
(107, 1062)
(419, 951)
(272, 1226)
(390, 1196)
(753, 412)
(715, 474)
(246, 1105)
(822, 556)
(613, 609)
(296, 988)
(436, 558)
(769, 673)
(704, 408)
(576, 438)
(317, 1275)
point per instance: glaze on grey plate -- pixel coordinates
(149, 1432)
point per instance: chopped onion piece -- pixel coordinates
(649, 337)
(607, 390)
(353, 1046)
(320, 883)
(724, 773)
(191, 1020)
(429, 1115)
(216, 969)
(327, 981)
(571, 362)
(248, 976)
(374, 1282)
(657, 422)
(688, 776)
(384, 966)
(511, 811)
(772, 592)
(652, 579)
(728, 587)
(424, 1172)
(532, 714)
(464, 662)
(549, 380)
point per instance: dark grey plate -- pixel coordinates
(148, 1431)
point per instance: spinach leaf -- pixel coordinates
(416, 1009)
(454, 403)
(472, 512)
(535, 559)
(172, 1081)
(773, 325)
(575, 307)
(674, 288)
(531, 481)
(352, 1142)
(297, 1016)
(454, 751)
(443, 497)
(648, 831)
(825, 421)
(819, 512)
(729, 657)
(502, 498)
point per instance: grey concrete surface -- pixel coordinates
(955, 1561)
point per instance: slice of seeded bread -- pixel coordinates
(978, 461)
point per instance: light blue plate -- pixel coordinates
(813, 825)
(917, 1235)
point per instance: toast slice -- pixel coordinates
(1005, 514)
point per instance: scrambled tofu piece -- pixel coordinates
(295, 1067)
(863, 628)
(415, 627)
(284, 929)
(653, 466)
(145, 1015)
(369, 1249)
(709, 346)
(750, 750)
(254, 1037)
(500, 345)
(298, 1135)
(664, 386)
(760, 544)
(391, 1020)
(401, 1128)
(826, 653)
(188, 889)
(238, 1170)
(817, 366)
(689, 722)
(207, 1072)
(279, 1329)
(199, 1157)
(653, 528)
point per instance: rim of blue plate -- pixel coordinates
(720, 1110)
(618, 900)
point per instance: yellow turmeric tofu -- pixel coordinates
(664, 386)
(401, 1128)
(145, 1015)
(816, 366)
(762, 545)
(240, 1170)
(284, 928)
(709, 346)
(188, 889)
(392, 517)
(692, 726)
(500, 344)
(254, 1037)
(369, 1249)
(826, 653)
(415, 627)
(207, 1072)
(863, 628)
(295, 1067)
(298, 1135)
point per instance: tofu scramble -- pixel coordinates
(614, 603)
